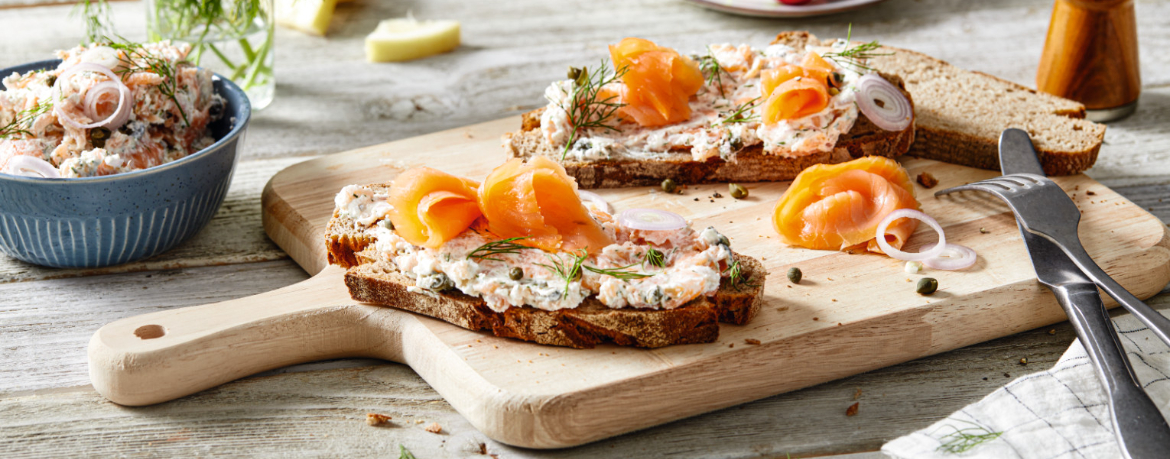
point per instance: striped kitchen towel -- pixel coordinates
(1059, 413)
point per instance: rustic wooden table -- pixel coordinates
(329, 100)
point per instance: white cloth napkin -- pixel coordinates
(1059, 413)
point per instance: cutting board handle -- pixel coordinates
(165, 355)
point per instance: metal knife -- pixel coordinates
(1140, 429)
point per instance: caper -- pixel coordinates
(582, 78)
(574, 73)
(723, 240)
(669, 186)
(927, 286)
(437, 282)
(388, 224)
(515, 274)
(738, 191)
(794, 275)
(51, 80)
(98, 136)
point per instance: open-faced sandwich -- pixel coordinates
(742, 114)
(729, 113)
(526, 255)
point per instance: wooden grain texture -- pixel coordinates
(1091, 53)
(329, 100)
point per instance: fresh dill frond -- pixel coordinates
(567, 271)
(404, 453)
(135, 58)
(96, 14)
(587, 109)
(742, 114)
(656, 258)
(711, 69)
(619, 272)
(503, 246)
(963, 440)
(856, 56)
(22, 122)
(735, 276)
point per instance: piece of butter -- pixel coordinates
(404, 39)
(309, 16)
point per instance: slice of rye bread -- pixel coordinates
(592, 323)
(959, 113)
(750, 163)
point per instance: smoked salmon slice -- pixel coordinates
(659, 82)
(795, 91)
(431, 207)
(538, 200)
(839, 206)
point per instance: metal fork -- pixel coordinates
(1042, 208)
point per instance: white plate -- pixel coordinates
(773, 8)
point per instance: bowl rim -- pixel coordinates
(232, 134)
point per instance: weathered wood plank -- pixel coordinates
(45, 326)
(321, 413)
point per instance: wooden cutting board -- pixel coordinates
(850, 314)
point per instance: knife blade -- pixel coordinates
(1139, 427)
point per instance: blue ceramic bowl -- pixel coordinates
(103, 221)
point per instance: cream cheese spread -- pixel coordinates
(693, 263)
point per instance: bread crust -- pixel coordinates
(590, 324)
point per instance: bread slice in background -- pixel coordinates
(751, 164)
(959, 114)
(373, 281)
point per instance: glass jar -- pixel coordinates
(233, 38)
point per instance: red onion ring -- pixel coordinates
(908, 256)
(651, 220)
(28, 166)
(965, 258)
(94, 96)
(91, 67)
(597, 200)
(895, 113)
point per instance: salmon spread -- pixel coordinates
(108, 109)
(493, 257)
(776, 97)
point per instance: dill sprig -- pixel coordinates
(22, 121)
(711, 69)
(136, 58)
(587, 109)
(656, 258)
(567, 271)
(404, 453)
(963, 440)
(96, 14)
(856, 56)
(735, 276)
(742, 114)
(501, 247)
(619, 272)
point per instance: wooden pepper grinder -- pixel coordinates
(1091, 56)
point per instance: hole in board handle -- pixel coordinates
(150, 331)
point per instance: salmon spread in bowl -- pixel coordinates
(106, 109)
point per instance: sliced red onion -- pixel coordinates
(94, 96)
(894, 113)
(953, 257)
(596, 200)
(28, 166)
(91, 67)
(908, 256)
(651, 220)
